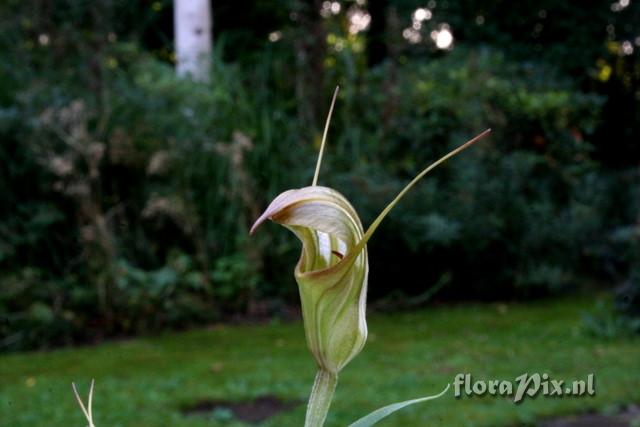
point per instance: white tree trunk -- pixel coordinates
(192, 26)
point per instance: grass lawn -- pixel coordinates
(145, 382)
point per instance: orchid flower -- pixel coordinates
(332, 272)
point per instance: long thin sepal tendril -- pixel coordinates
(374, 225)
(324, 137)
(87, 411)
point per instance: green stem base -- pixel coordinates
(320, 399)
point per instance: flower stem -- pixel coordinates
(320, 399)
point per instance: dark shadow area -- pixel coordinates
(629, 416)
(252, 411)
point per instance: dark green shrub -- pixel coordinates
(128, 193)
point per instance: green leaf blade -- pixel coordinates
(379, 414)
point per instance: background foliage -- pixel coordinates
(126, 193)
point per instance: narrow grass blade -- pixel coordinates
(384, 412)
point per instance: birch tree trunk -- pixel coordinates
(192, 26)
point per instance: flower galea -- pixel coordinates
(331, 273)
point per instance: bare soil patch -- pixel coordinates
(252, 411)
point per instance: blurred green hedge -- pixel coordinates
(126, 194)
